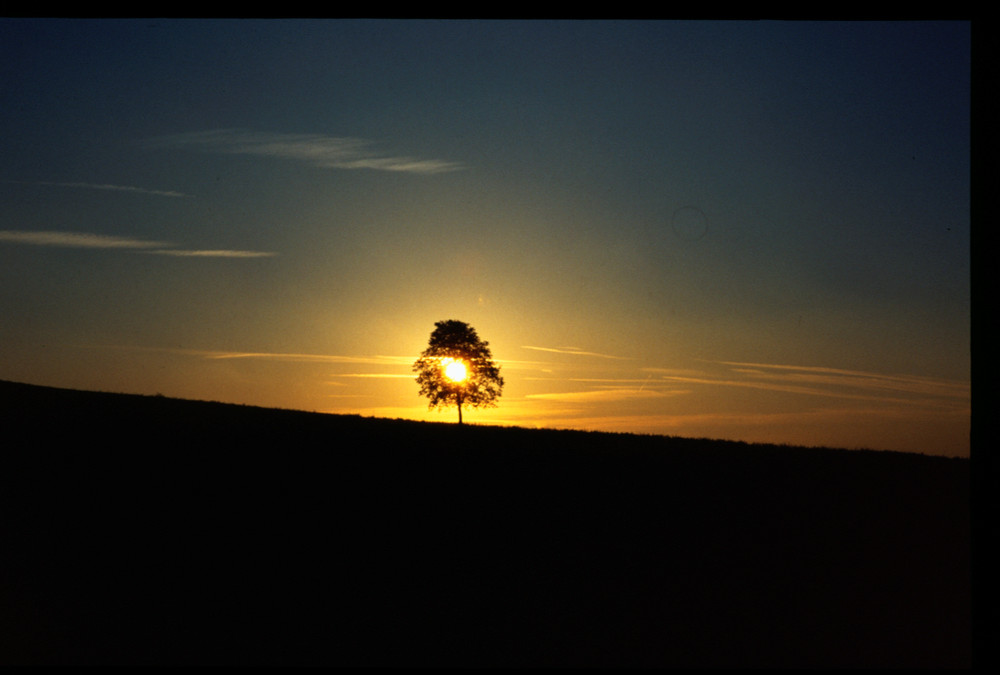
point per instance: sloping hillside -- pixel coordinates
(147, 530)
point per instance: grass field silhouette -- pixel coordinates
(154, 531)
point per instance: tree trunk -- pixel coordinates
(459, 411)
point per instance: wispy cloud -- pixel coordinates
(390, 376)
(330, 152)
(315, 358)
(575, 352)
(76, 240)
(291, 357)
(603, 395)
(104, 186)
(104, 241)
(181, 253)
(853, 378)
(829, 382)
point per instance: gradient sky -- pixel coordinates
(748, 230)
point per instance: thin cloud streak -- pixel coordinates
(603, 395)
(855, 378)
(316, 358)
(268, 356)
(393, 376)
(182, 253)
(104, 186)
(604, 380)
(831, 382)
(523, 365)
(104, 241)
(786, 388)
(328, 152)
(576, 352)
(76, 240)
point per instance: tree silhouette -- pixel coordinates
(457, 368)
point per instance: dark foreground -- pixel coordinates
(145, 530)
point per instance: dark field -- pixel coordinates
(146, 530)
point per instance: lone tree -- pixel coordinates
(457, 368)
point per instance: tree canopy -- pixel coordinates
(457, 369)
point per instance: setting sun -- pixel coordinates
(455, 370)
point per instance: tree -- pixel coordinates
(457, 368)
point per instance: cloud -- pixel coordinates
(288, 357)
(181, 253)
(575, 352)
(317, 358)
(853, 378)
(393, 376)
(603, 395)
(329, 152)
(76, 240)
(830, 382)
(105, 186)
(104, 241)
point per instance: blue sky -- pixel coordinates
(751, 230)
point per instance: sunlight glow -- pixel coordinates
(454, 369)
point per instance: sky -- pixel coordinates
(746, 230)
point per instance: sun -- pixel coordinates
(455, 370)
